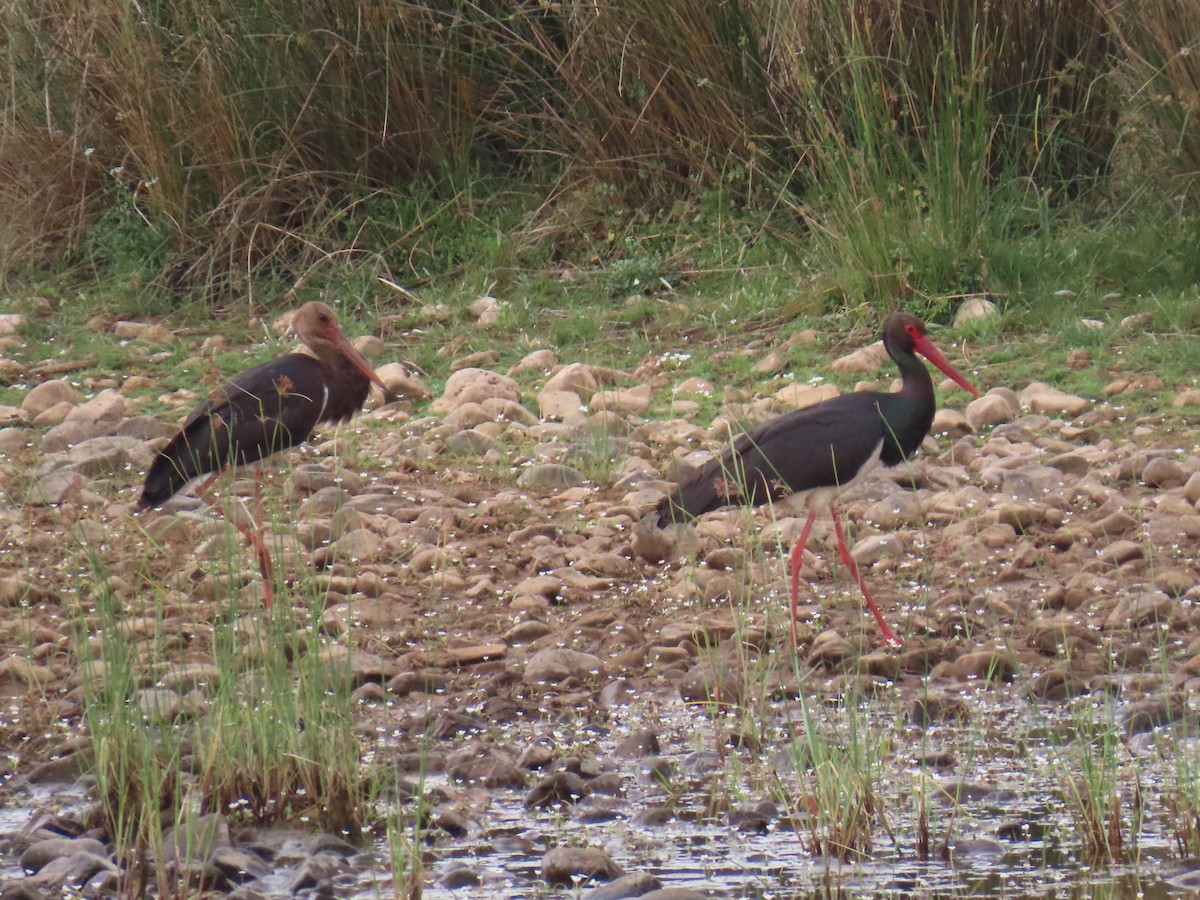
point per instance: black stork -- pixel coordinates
(803, 460)
(268, 408)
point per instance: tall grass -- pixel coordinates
(245, 138)
(1160, 42)
(925, 125)
(262, 734)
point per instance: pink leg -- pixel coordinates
(797, 561)
(888, 636)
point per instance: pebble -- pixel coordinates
(550, 476)
(49, 394)
(551, 666)
(565, 865)
(474, 385)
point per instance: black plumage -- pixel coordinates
(806, 458)
(268, 408)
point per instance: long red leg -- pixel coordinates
(202, 490)
(797, 561)
(264, 557)
(889, 636)
(253, 535)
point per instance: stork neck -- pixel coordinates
(914, 375)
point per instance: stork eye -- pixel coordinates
(912, 330)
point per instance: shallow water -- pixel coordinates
(1015, 749)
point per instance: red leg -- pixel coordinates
(253, 535)
(797, 561)
(264, 557)
(889, 636)
(202, 490)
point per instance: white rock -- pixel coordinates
(475, 385)
(976, 308)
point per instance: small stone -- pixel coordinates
(486, 310)
(1120, 552)
(1042, 399)
(975, 309)
(548, 476)
(1162, 472)
(950, 422)
(480, 360)
(1186, 398)
(534, 361)
(54, 488)
(1147, 608)
(623, 400)
(402, 383)
(553, 665)
(866, 359)
(1191, 489)
(472, 385)
(107, 407)
(48, 394)
(1078, 359)
(991, 409)
(557, 789)
(640, 744)
(635, 884)
(197, 840)
(875, 547)
(798, 396)
(558, 405)
(711, 683)
(104, 455)
(41, 853)
(829, 649)
(159, 704)
(11, 323)
(989, 665)
(695, 387)
(469, 443)
(770, 364)
(564, 865)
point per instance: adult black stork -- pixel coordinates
(266, 409)
(805, 459)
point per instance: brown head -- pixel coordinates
(317, 326)
(904, 334)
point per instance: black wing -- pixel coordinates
(819, 446)
(262, 411)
